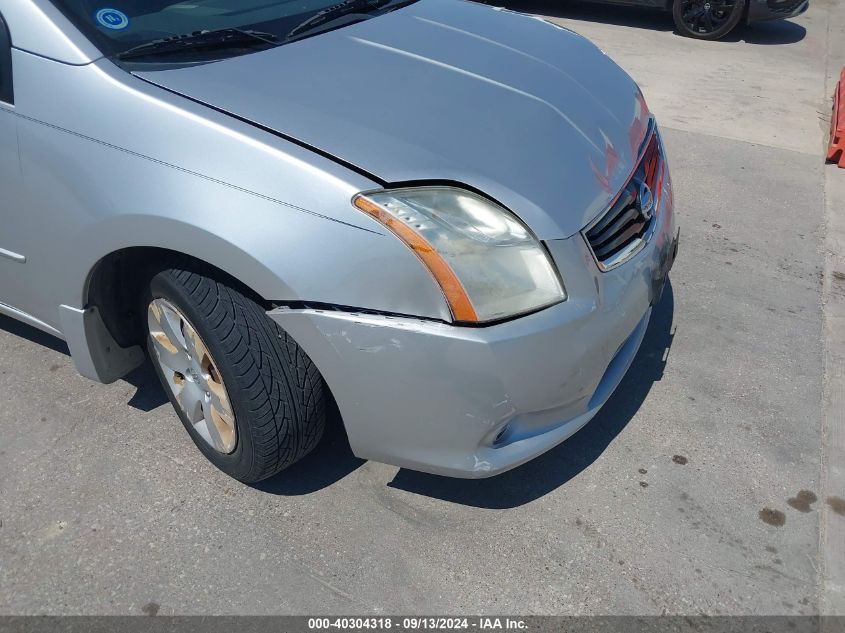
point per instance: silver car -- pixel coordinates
(450, 220)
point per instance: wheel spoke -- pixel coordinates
(226, 431)
(166, 344)
(221, 415)
(164, 319)
(196, 348)
(192, 375)
(170, 357)
(220, 401)
(211, 428)
(171, 324)
(191, 397)
(693, 13)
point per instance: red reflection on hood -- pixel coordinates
(640, 126)
(611, 161)
(636, 134)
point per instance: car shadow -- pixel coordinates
(148, 392)
(22, 330)
(763, 33)
(556, 467)
(776, 32)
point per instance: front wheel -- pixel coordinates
(707, 19)
(248, 395)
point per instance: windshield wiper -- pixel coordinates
(201, 40)
(322, 18)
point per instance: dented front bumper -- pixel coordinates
(474, 402)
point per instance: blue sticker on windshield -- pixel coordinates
(112, 19)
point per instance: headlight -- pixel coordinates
(487, 262)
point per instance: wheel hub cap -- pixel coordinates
(708, 15)
(192, 375)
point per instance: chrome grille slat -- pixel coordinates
(627, 199)
(623, 230)
(620, 240)
(624, 218)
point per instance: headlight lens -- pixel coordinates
(487, 262)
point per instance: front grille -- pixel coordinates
(783, 6)
(623, 229)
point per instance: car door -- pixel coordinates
(12, 262)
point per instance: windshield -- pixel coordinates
(116, 26)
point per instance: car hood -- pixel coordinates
(529, 113)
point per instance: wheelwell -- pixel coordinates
(116, 286)
(118, 281)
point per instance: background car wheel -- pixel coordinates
(707, 19)
(249, 396)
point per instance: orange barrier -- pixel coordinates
(836, 151)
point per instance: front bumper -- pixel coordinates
(759, 10)
(474, 402)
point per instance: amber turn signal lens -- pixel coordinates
(456, 296)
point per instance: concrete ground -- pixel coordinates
(710, 483)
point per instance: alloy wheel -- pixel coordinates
(192, 375)
(707, 16)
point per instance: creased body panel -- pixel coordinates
(436, 397)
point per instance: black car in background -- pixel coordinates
(713, 19)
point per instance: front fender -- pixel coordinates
(279, 257)
(282, 255)
(118, 163)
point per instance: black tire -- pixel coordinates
(277, 395)
(707, 19)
